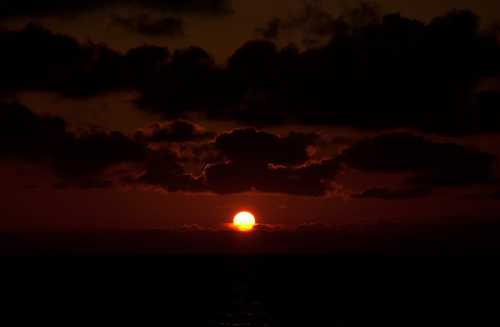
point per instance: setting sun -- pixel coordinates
(244, 221)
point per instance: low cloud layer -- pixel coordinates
(96, 159)
(394, 194)
(49, 8)
(391, 73)
(149, 26)
(241, 160)
(432, 164)
(80, 158)
(253, 146)
(176, 131)
(313, 24)
(356, 80)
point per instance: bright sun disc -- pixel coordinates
(244, 221)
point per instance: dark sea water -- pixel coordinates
(251, 291)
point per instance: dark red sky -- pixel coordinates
(407, 135)
(222, 34)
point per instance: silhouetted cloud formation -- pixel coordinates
(82, 160)
(264, 162)
(90, 153)
(397, 194)
(355, 80)
(149, 26)
(385, 73)
(61, 63)
(391, 73)
(237, 177)
(74, 69)
(241, 160)
(27, 136)
(249, 160)
(250, 145)
(433, 164)
(489, 115)
(164, 171)
(271, 30)
(256, 161)
(24, 135)
(313, 23)
(34, 8)
(176, 131)
(189, 82)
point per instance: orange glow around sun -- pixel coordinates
(244, 221)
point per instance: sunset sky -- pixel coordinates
(170, 114)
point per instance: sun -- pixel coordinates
(244, 221)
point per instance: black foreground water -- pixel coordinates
(249, 291)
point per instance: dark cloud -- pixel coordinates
(433, 164)
(246, 160)
(61, 64)
(313, 23)
(395, 72)
(242, 160)
(145, 63)
(391, 73)
(196, 156)
(56, 53)
(26, 136)
(50, 8)
(271, 30)
(84, 184)
(313, 179)
(264, 162)
(94, 159)
(389, 194)
(164, 171)
(488, 104)
(98, 159)
(73, 69)
(190, 82)
(238, 177)
(149, 26)
(250, 145)
(177, 131)
(495, 195)
(229, 178)
(398, 73)
(256, 62)
(89, 154)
